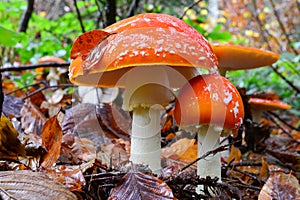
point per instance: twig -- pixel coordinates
(282, 26)
(79, 16)
(287, 81)
(189, 7)
(260, 24)
(259, 164)
(34, 66)
(134, 4)
(284, 122)
(214, 151)
(281, 128)
(26, 16)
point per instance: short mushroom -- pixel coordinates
(212, 106)
(236, 57)
(259, 105)
(52, 76)
(148, 62)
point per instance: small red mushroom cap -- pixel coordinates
(209, 99)
(268, 104)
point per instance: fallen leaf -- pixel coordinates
(74, 150)
(235, 154)
(280, 186)
(69, 176)
(51, 139)
(25, 184)
(12, 105)
(32, 119)
(136, 185)
(86, 42)
(178, 148)
(10, 145)
(264, 170)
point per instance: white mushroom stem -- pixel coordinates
(208, 139)
(256, 115)
(147, 91)
(145, 138)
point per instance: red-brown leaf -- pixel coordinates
(139, 186)
(280, 186)
(51, 139)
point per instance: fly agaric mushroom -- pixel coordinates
(212, 106)
(148, 62)
(235, 57)
(259, 105)
(52, 76)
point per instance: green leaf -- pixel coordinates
(8, 37)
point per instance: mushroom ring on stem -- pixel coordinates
(212, 106)
(148, 61)
(236, 57)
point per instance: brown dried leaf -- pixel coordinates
(74, 150)
(264, 170)
(235, 154)
(31, 185)
(10, 145)
(12, 105)
(51, 139)
(136, 185)
(178, 148)
(32, 119)
(81, 120)
(71, 177)
(280, 186)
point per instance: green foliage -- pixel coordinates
(24, 80)
(8, 38)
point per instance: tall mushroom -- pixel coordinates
(236, 57)
(148, 62)
(213, 107)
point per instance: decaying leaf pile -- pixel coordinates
(56, 146)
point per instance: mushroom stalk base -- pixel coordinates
(145, 138)
(256, 115)
(208, 139)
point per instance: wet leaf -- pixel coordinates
(70, 176)
(31, 185)
(12, 105)
(74, 150)
(32, 119)
(10, 145)
(86, 42)
(136, 185)
(51, 139)
(280, 186)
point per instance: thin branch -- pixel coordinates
(190, 7)
(282, 26)
(26, 16)
(283, 121)
(79, 16)
(133, 6)
(286, 80)
(260, 23)
(35, 66)
(214, 151)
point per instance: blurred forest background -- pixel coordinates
(37, 28)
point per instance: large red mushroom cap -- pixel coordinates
(235, 57)
(157, 40)
(209, 99)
